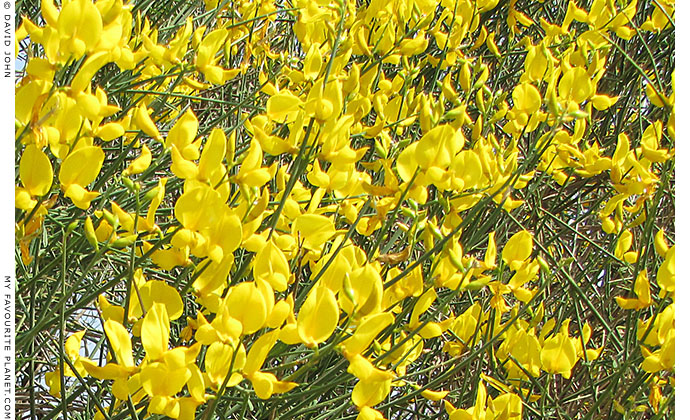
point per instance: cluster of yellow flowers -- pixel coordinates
(292, 183)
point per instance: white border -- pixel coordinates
(7, 268)
(682, 179)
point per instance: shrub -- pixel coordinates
(405, 209)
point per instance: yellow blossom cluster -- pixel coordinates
(325, 216)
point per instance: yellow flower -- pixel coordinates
(369, 327)
(313, 229)
(265, 384)
(517, 250)
(558, 355)
(78, 170)
(318, 316)
(644, 298)
(139, 164)
(272, 266)
(283, 106)
(374, 384)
